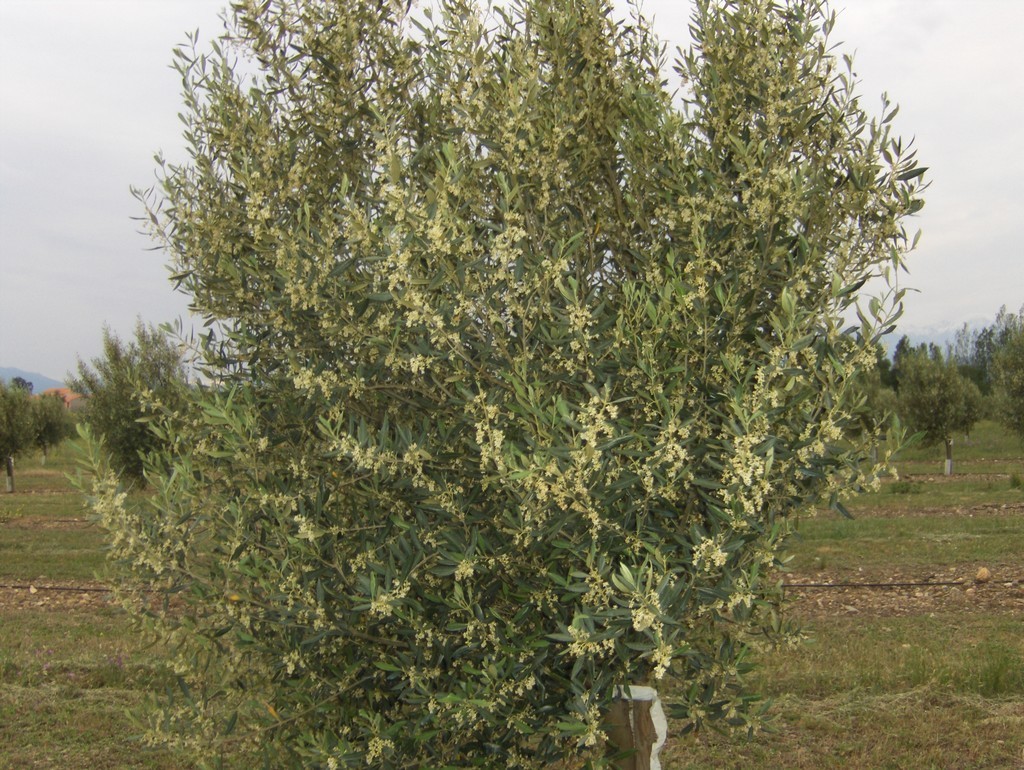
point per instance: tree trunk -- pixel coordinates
(620, 735)
(636, 727)
(949, 456)
(10, 475)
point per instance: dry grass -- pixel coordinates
(902, 678)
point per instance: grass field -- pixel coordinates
(910, 677)
(892, 677)
(70, 668)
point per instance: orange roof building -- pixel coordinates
(72, 401)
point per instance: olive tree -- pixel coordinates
(1008, 366)
(936, 400)
(124, 388)
(51, 422)
(15, 427)
(518, 369)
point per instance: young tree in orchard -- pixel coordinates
(15, 427)
(1008, 366)
(125, 387)
(521, 371)
(936, 400)
(51, 422)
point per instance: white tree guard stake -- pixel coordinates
(642, 725)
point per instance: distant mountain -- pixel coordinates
(939, 334)
(40, 382)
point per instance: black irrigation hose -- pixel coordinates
(63, 589)
(874, 585)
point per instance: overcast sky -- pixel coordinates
(87, 96)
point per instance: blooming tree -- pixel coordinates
(124, 387)
(519, 368)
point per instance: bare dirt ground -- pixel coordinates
(982, 509)
(879, 593)
(63, 596)
(996, 595)
(816, 593)
(941, 478)
(47, 522)
(69, 595)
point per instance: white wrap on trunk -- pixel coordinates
(637, 693)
